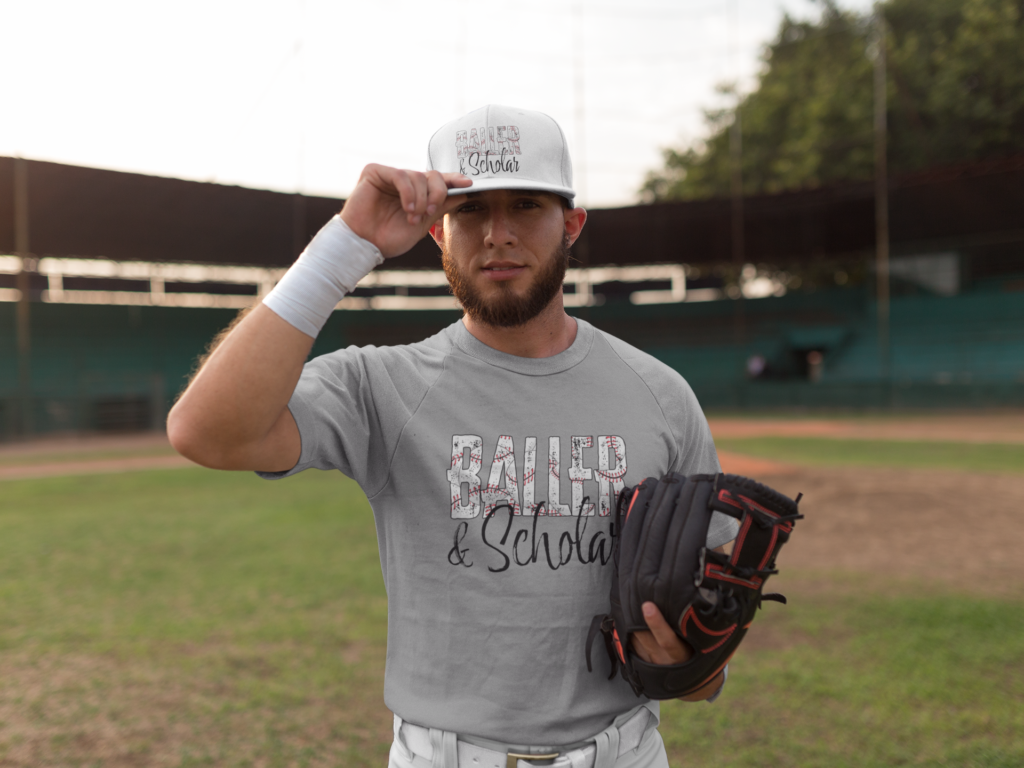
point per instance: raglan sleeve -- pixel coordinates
(696, 453)
(334, 407)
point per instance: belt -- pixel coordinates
(446, 750)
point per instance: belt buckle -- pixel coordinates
(514, 756)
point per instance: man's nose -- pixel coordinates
(499, 231)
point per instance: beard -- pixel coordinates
(508, 309)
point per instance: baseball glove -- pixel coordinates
(709, 598)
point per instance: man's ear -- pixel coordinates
(437, 232)
(575, 218)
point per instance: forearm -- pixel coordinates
(234, 413)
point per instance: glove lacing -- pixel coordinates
(765, 522)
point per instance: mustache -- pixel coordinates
(509, 309)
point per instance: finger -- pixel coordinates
(650, 650)
(437, 192)
(459, 180)
(647, 647)
(662, 632)
(419, 183)
(403, 186)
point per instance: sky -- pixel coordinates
(299, 95)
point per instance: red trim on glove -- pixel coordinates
(631, 503)
(618, 645)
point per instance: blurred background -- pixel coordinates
(813, 210)
(825, 198)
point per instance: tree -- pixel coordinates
(955, 93)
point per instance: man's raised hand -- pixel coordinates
(394, 208)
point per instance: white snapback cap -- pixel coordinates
(504, 148)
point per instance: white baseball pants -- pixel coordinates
(633, 741)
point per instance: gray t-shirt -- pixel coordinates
(477, 465)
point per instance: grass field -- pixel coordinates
(188, 617)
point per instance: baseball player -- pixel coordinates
(492, 453)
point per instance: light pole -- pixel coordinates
(23, 315)
(881, 197)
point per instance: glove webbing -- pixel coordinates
(762, 533)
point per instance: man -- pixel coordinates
(493, 568)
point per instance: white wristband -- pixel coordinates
(333, 262)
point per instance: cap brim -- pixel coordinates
(486, 185)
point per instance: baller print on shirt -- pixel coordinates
(507, 510)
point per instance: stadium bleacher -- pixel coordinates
(120, 367)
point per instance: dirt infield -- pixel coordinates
(995, 427)
(953, 530)
(95, 467)
(87, 455)
(59, 445)
(949, 529)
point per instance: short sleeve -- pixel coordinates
(352, 405)
(334, 409)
